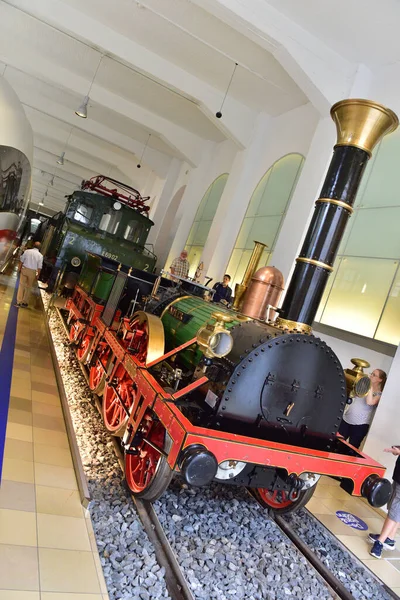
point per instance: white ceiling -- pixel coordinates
(51, 67)
(363, 31)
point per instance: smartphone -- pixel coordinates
(397, 447)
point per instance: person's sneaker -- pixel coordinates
(24, 305)
(18, 305)
(388, 544)
(376, 549)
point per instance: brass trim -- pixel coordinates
(294, 326)
(155, 333)
(316, 263)
(172, 303)
(336, 202)
(362, 123)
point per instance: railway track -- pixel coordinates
(176, 582)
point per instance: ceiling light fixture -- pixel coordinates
(219, 113)
(144, 150)
(82, 110)
(60, 161)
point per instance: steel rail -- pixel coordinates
(337, 588)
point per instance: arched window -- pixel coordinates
(363, 292)
(265, 213)
(203, 220)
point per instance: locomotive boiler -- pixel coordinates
(207, 393)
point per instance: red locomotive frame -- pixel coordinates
(138, 401)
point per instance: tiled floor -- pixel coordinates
(329, 498)
(47, 545)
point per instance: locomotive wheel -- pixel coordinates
(148, 338)
(74, 332)
(147, 472)
(97, 375)
(84, 347)
(280, 502)
(114, 414)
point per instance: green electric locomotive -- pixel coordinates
(102, 221)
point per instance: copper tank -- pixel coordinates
(265, 289)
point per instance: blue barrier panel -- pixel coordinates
(6, 369)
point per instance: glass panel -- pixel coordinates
(233, 265)
(263, 230)
(359, 201)
(205, 214)
(389, 327)
(384, 181)
(280, 184)
(202, 205)
(327, 290)
(83, 213)
(358, 294)
(194, 256)
(243, 262)
(375, 233)
(244, 233)
(265, 213)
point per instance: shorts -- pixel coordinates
(394, 503)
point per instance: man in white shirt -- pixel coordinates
(31, 264)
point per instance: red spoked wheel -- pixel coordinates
(122, 388)
(83, 349)
(282, 501)
(147, 471)
(97, 374)
(74, 331)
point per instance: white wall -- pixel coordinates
(216, 159)
(272, 139)
(347, 350)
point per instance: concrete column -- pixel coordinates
(160, 206)
(301, 206)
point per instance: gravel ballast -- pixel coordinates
(130, 568)
(361, 583)
(226, 545)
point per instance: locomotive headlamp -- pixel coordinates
(213, 339)
(358, 383)
(75, 261)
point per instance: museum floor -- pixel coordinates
(47, 546)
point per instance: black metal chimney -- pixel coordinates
(360, 125)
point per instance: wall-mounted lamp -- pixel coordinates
(60, 161)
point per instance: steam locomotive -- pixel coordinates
(207, 393)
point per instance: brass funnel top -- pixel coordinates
(362, 123)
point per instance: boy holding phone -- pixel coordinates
(385, 540)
